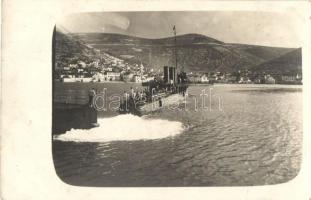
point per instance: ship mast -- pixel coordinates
(175, 50)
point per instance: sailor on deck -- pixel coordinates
(132, 93)
(92, 94)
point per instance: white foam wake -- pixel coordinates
(124, 127)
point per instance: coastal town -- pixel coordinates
(108, 68)
(120, 58)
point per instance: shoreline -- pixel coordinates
(191, 84)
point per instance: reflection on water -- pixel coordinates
(254, 140)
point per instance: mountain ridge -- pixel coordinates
(196, 52)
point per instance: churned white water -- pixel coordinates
(124, 127)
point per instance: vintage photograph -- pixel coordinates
(177, 98)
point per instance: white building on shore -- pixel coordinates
(112, 76)
(137, 79)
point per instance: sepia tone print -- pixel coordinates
(177, 99)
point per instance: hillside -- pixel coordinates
(290, 62)
(70, 50)
(196, 53)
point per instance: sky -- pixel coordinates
(258, 28)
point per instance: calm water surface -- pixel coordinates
(247, 135)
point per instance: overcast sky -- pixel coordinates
(270, 29)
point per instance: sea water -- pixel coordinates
(237, 135)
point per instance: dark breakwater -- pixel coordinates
(68, 116)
